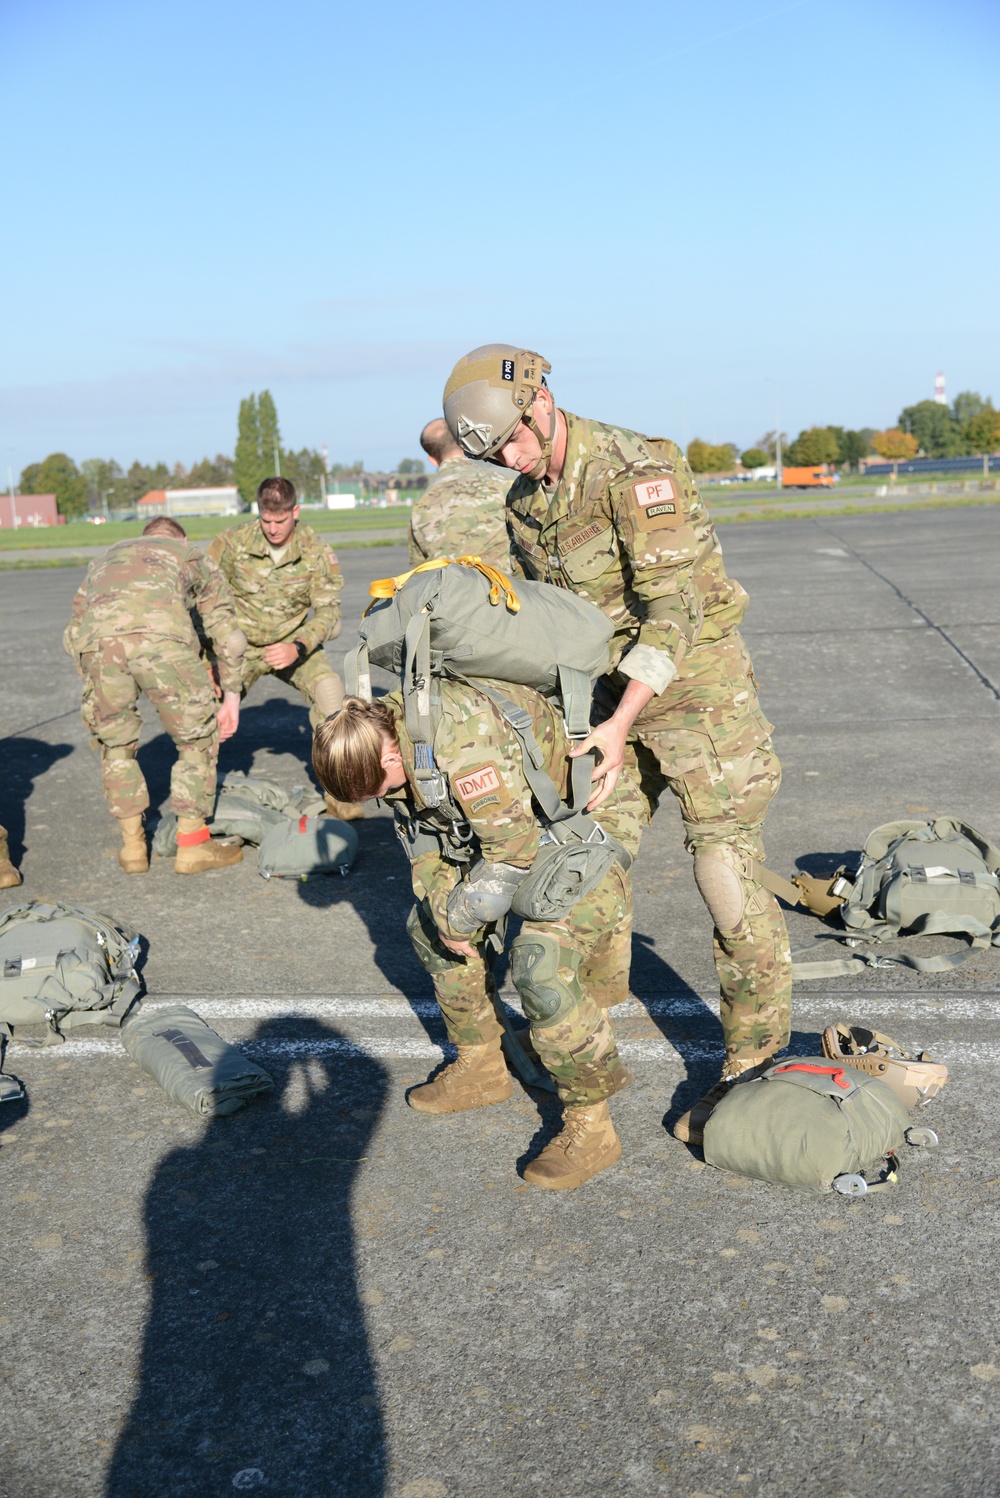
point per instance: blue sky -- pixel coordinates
(693, 211)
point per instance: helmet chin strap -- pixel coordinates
(545, 443)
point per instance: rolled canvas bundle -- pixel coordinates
(194, 1066)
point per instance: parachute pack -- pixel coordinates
(247, 807)
(465, 620)
(62, 966)
(812, 1124)
(938, 875)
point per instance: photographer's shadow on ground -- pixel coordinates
(256, 1369)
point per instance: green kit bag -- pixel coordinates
(809, 1123)
(63, 965)
(934, 876)
(306, 848)
(247, 807)
(194, 1066)
(467, 619)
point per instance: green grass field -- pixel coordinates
(199, 528)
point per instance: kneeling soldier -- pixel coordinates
(468, 854)
(131, 632)
(278, 571)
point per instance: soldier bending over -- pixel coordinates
(468, 856)
(130, 633)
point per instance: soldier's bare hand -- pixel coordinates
(609, 741)
(280, 657)
(229, 715)
(460, 948)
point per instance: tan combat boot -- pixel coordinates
(344, 811)
(196, 852)
(475, 1079)
(586, 1145)
(133, 855)
(690, 1127)
(9, 875)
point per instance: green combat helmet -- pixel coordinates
(488, 393)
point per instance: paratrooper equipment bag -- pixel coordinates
(194, 1066)
(63, 966)
(809, 1123)
(935, 876)
(466, 620)
(306, 848)
(914, 1079)
(247, 807)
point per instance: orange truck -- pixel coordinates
(818, 477)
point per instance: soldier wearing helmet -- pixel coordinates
(616, 517)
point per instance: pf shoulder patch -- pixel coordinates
(332, 557)
(482, 786)
(659, 499)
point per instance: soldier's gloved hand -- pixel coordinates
(484, 897)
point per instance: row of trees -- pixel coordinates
(101, 482)
(970, 426)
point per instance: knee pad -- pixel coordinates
(421, 931)
(198, 750)
(722, 886)
(534, 968)
(328, 695)
(118, 751)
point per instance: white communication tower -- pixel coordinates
(940, 394)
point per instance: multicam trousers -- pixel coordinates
(176, 683)
(707, 740)
(566, 973)
(314, 677)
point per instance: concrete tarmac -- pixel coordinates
(329, 1294)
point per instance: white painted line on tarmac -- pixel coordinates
(392, 1047)
(824, 1008)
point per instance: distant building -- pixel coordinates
(18, 510)
(180, 502)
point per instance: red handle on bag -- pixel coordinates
(836, 1072)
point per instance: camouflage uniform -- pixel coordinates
(626, 528)
(273, 599)
(131, 632)
(565, 970)
(462, 513)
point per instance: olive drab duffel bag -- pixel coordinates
(935, 876)
(813, 1124)
(63, 966)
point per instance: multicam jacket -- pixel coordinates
(147, 586)
(462, 513)
(625, 527)
(273, 599)
(489, 811)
